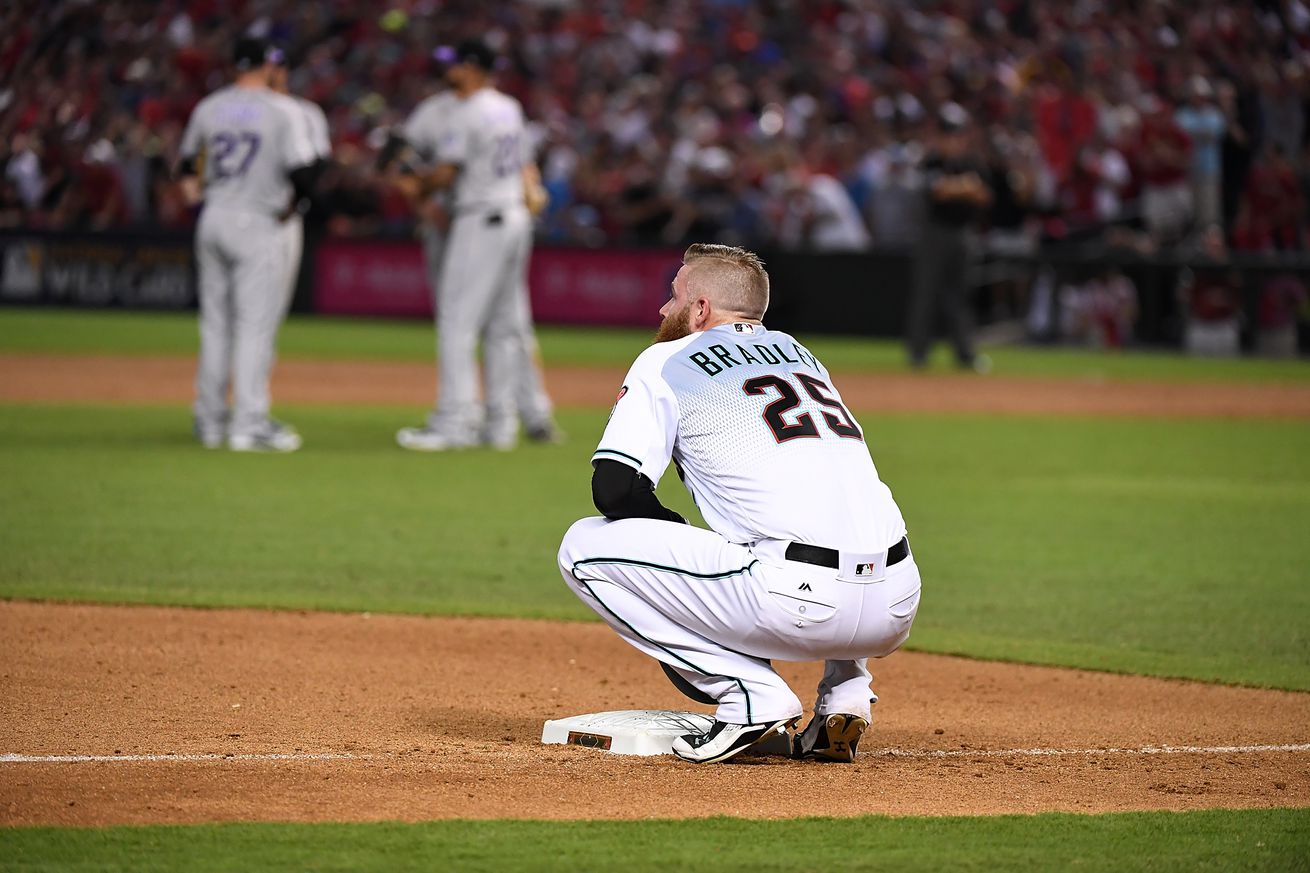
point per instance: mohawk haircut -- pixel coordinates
(732, 277)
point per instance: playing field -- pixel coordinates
(1114, 621)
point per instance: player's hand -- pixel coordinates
(191, 191)
(536, 198)
(433, 213)
(408, 185)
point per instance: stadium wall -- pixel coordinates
(858, 293)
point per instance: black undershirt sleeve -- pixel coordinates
(619, 491)
(304, 179)
(392, 150)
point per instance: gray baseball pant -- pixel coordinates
(529, 392)
(293, 238)
(241, 261)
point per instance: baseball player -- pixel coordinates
(473, 141)
(806, 556)
(316, 127)
(256, 156)
(422, 135)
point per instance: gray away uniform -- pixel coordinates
(479, 268)
(251, 141)
(293, 229)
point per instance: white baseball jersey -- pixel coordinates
(485, 136)
(251, 139)
(316, 126)
(761, 438)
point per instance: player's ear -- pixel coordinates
(700, 312)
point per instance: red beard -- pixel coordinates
(675, 325)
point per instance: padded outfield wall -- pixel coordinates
(858, 294)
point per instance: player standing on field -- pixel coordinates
(806, 556)
(257, 159)
(473, 142)
(316, 127)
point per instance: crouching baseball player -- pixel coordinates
(806, 556)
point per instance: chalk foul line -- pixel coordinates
(1067, 753)
(920, 754)
(104, 759)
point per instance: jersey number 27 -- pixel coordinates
(839, 421)
(233, 153)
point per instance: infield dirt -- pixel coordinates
(120, 379)
(444, 717)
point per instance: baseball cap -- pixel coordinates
(250, 52)
(469, 51)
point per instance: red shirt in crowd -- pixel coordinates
(1165, 151)
(1065, 122)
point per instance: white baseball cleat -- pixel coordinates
(502, 443)
(724, 740)
(210, 436)
(425, 439)
(210, 439)
(503, 437)
(274, 437)
(831, 737)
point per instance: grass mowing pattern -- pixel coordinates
(1165, 548)
(137, 333)
(1275, 839)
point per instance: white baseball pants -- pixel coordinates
(241, 262)
(718, 612)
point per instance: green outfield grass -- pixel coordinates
(1171, 548)
(85, 332)
(1265, 840)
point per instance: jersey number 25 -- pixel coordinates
(839, 422)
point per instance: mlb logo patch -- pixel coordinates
(741, 327)
(864, 569)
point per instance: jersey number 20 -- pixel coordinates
(839, 421)
(506, 158)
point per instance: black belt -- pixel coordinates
(823, 557)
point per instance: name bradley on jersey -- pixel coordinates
(770, 354)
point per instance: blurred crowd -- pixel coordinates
(786, 123)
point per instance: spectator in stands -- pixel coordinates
(1164, 158)
(1282, 105)
(23, 170)
(13, 212)
(1282, 304)
(896, 201)
(1204, 123)
(629, 92)
(1211, 298)
(1111, 309)
(1236, 149)
(818, 214)
(1273, 194)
